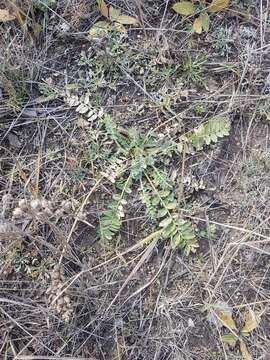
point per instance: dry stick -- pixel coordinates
(249, 232)
(144, 257)
(162, 20)
(181, 179)
(37, 173)
(141, 15)
(153, 236)
(142, 242)
(94, 188)
(23, 329)
(234, 252)
(250, 304)
(13, 302)
(138, 291)
(40, 357)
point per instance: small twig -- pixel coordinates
(181, 180)
(94, 188)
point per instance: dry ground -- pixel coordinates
(64, 292)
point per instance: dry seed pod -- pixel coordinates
(58, 297)
(66, 205)
(6, 202)
(44, 203)
(22, 204)
(17, 213)
(35, 204)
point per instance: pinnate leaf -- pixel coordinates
(184, 8)
(209, 132)
(218, 5)
(165, 222)
(197, 25)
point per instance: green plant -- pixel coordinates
(222, 42)
(200, 109)
(13, 82)
(221, 315)
(48, 91)
(44, 5)
(193, 69)
(135, 160)
(110, 222)
(180, 232)
(202, 22)
(207, 133)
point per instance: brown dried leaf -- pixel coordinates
(127, 20)
(244, 351)
(218, 5)
(114, 13)
(103, 8)
(226, 318)
(82, 123)
(252, 321)
(5, 15)
(197, 25)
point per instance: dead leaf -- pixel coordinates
(82, 123)
(223, 314)
(103, 8)
(244, 351)
(119, 27)
(204, 17)
(14, 140)
(184, 8)
(197, 25)
(229, 339)
(218, 5)
(5, 15)
(226, 319)
(127, 20)
(252, 321)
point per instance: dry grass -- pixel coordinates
(136, 298)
